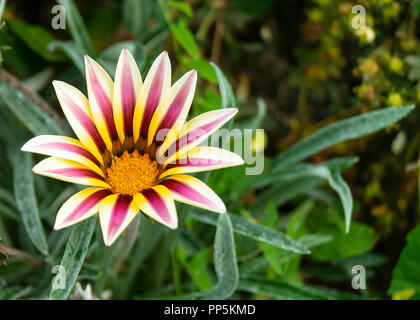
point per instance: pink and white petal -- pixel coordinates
(64, 148)
(202, 159)
(158, 203)
(194, 132)
(155, 86)
(115, 214)
(174, 107)
(77, 111)
(80, 206)
(100, 89)
(70, 171)
(126, 90)
(190, 190)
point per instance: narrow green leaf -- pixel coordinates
(282, 290)
(254, 231)
(37, 38)
(31, 116)
(305, 169)
(224, 263)
(77, 27)
(333, 178)
(136, 15)
(340, 131)
(72, 51)
(336, 181)
(185, 38)
(255, 121)
(182, 6)
(226, 92)
(74, 255)
(26, 201)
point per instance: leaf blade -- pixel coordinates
(73, 257)
(340, 131)
(24, 189)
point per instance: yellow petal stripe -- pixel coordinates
(80, 206)
(157, 202)
(69, 171)
(115, 214)
(174, 107)
(202, 159)
(64, 148)
(126, 90)
(77, 111)
(155, 86)
(192, 191)
(100, 88)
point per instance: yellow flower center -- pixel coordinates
(131, 173)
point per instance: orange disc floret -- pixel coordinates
(131, 173)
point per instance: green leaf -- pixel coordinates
(406, 273)
(136, 15)
(197, 268)
(185, 38)
(203, 68)
(255, 121)
(333, 178)
(340, 131)
(289, 182)
(31, 116)
(72, 51)
(23, 183)
(74, 255)
(360, 239)
(224, 263)
(281, 290)
(37, 38)
(77, 27)
(254, 231)
(182, 6)
(228, 98)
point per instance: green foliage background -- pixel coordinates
(333, 195)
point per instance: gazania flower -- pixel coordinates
(125, 128)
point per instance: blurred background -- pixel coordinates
(294, 66)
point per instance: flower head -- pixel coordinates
(134, 149)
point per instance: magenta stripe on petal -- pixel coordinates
(86, 205)
(187, 192)
(158, 204)
(85, 121)
(176, 107)
(197, 133)
(128, 98)
(153, 98)
(62, 146)
(76, 173)
(103, 102)
(119, 212)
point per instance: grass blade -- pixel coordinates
(340, 131)
(254, 231)
(23, 183)
(74, 255)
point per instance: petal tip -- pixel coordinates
(58, 225)
(25, 147)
